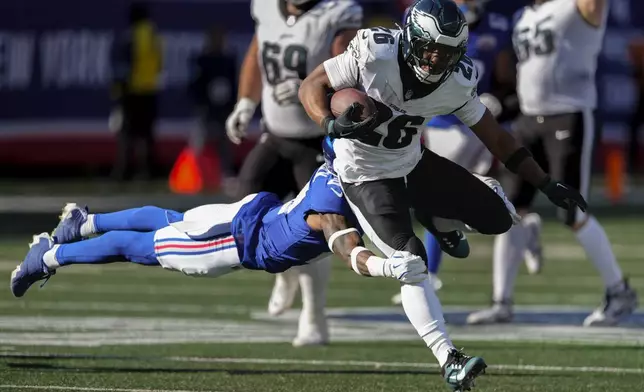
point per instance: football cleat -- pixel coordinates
(69, 227)
(533, 255)
(33, 268)
(500, 312)
(454, 243)
(619, 303)
(460, 370)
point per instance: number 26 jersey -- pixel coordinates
(290, 47)
(372, 63)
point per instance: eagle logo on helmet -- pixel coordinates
(434, 39)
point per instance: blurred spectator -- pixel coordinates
(636, 50)
(213, 89)
(136, 65)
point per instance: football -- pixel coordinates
(342, 99)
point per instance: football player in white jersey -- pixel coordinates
(292, 37)
(557, 43)
(413, 75)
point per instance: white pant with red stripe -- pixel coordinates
(179, 246)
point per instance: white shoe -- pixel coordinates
(618, 304)
(435, 281)
(315, 334)
(284, 290)
(310, 340)
(498, 313)
(533, 255)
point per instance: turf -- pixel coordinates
(125, 328)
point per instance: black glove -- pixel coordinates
(348, 125)
(563, 196)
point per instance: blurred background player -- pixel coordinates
(213, 90)
(292, 37)
(489, 48)
(557, 43)
(636, 54)
(136, 65)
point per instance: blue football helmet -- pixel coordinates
(329, 154)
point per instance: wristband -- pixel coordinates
(376, 266)
(544, 183)
(246, 104)
(337, 234)
(327, 122)
(515, 160)
(354, 258)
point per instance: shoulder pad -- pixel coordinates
(517, 15)
(376, 43)
(345, 14)
(466, 75)
(254, 10)
(498, 22)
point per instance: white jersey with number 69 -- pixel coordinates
(290, 47)
(372, 63)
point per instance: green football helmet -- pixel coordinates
(434, 39)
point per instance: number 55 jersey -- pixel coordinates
(374, 63)
(557, 52)
(290, 47)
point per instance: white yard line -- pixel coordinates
(374, 364)
(344, 363)
(88, 389)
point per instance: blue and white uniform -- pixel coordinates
(447, 135)
(259, 232)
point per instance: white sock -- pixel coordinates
(425, 313)
(598, 249)
(88, 227)
(508, 254)
(314, 280)
(49, 258)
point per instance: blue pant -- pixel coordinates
(129, 236)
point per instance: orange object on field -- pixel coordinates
(615, 173)
(195, 172)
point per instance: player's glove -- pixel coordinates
(348, 124)
(563, 196)
(285, 93)
(405, 267)
(237, 122)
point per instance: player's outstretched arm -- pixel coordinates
(346, 243)
(592, 11)
(248, 96)
(520, 161)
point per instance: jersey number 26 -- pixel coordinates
(400, 131)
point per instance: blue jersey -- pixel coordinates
(273, 237)
(491, 35)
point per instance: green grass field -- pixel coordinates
(129, 328)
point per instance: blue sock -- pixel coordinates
(112, 247)
(434, 253)
(146, 218)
